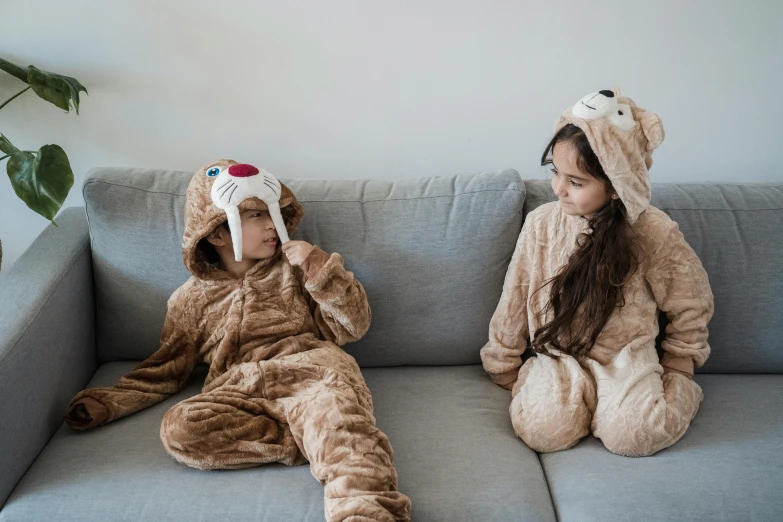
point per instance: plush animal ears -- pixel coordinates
(651, 124)
(652, 128)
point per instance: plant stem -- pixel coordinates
(14, 70)
(14, 96)
(4, 157)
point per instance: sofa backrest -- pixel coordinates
(431, 253)
(737, 232)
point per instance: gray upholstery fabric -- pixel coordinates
(136, 227)
(47, 341)
(431, 253)
(737, 232)
(537, 192)
(455, 451)
(726, 467)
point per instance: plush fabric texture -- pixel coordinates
(279, 388)
(618, 391)
(623, 137)
(735, 231)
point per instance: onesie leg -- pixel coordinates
(641, 412)
(230, 427)
(553, 402)
(348, 454)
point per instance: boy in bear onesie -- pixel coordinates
(269, 321)
(589, 274)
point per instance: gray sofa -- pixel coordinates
(86, 302)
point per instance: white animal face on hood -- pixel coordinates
(235, 184)
(220, 192)
(604, 104)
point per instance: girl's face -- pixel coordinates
(580, 194)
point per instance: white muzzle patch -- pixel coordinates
(237, 183)
(603, 104)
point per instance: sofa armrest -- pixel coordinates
(47, 340)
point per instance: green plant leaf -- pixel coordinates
(62, 91)
(42, 180)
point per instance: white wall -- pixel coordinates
(355, 89)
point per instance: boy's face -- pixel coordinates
(259, 237)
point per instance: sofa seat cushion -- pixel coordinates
(728, 466)
(455, 451)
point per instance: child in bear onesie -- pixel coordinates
(268, 320)
(586, 282)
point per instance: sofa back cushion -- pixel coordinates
(431, 253)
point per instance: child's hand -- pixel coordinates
(297, 251)
(86, 413)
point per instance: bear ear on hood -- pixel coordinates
(652, 127)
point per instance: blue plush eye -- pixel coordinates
(213, 171)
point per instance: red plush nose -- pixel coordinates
(242, 171)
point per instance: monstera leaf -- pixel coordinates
(60, 90)
(41, 179)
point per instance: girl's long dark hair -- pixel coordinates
(586, 291)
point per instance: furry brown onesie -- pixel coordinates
(279, 387)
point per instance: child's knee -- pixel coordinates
(174, 429)
(549, 426)
(640, 427)
(637, 435)
(628, 437)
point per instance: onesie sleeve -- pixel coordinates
(164, 373)
(682, 290)
(337, 300)
(508, 329)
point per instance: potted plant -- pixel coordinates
(42, 178)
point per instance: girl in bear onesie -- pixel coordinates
(588, 277)
(269, 321)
